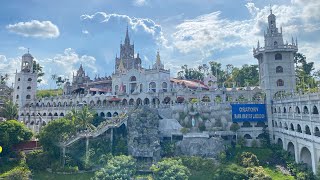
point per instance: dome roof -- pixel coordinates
(27, 55)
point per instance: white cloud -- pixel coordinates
(209, 33)
(137, 24)
(66, 63)
(140, 2)
(85, 31)
(24, 49)
(9, 66)
(35, 28)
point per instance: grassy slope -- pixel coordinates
(49, 92)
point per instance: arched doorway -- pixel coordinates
(280, 143)
(291, 149)
(305, 156)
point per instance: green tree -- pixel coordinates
(247, 159)
(13, 132)
(37, 68)
(56, 131)
(9, 110)
(84, 118)
(257, 173)
(305, 80)
(170, 169)
(4, 78)
(119, 167)
(18, 173)
(234, 128)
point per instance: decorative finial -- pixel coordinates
(28, 50)
(270, 9)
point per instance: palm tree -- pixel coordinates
(10, 110)
(84, 118)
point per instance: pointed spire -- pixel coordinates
(296, 41)
(270, 9)
(158, 58)
(258, 45)
(292, 40)
(121, 66)
(127, 39)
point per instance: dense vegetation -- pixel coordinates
(49, 93)
(248, 75)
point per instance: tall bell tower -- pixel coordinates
(276, 66)
(276, 60)
(25, 86)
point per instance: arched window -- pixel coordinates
(279, 69)
(284, 110)
(275, 43)
(17, 97)
(278, 56)
(29, 87)
(305, 110)
(247, 136)
(141, 87)
(18, 87)
(315, 110)
(307, 130)
(29, 79)
(18, 79)
(297, 110)
(280, 82)
(299, 128)
(152, 86)
(291, 127)
(133, 78)
(28, 96)
(164, 87)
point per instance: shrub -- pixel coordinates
(254, 143)
(257, 173)
(18, 173)
(119, 167)
(241, 142)
(222, 157)
(167, 148)
(37, 160)
(170, 169)
(232, 171)
(247, 159)
(197, 163)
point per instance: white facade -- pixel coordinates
(132, 85)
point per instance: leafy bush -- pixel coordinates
(254, 143)
(197, 163)
(37, 160)
(18, 173)
(119, 167)
(167, 148)
(12, 132)
(232, 172)
(170, 169)
(257, 173)
(247, 159)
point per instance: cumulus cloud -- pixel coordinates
(9, 66)
(137, 24)
(140, 2)
(66, 63)
(210, 32)
(35, 28)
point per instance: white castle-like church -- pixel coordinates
(293, 120)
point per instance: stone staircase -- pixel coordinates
(165, 113)
(114, 123)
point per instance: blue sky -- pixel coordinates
(62, 34)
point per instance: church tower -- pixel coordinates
(276, 61)
(276, 66)
(25, 86)
(127, 55)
